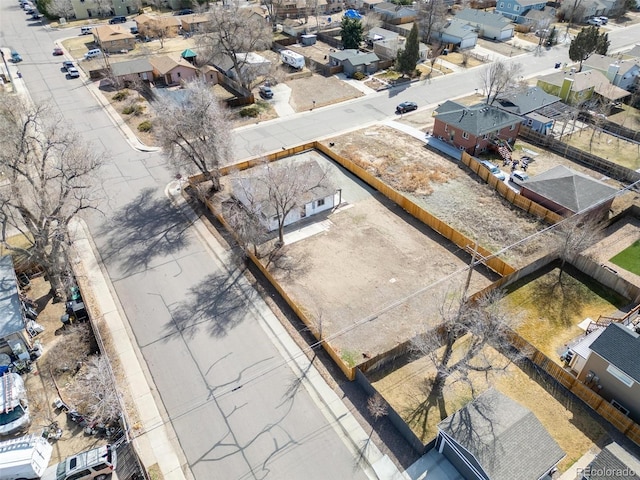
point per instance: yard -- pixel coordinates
(607, 146)
(551, 325)
(629, 258)
(569, 422)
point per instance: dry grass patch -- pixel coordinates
(550, 325)
(462, 59)
(606, 146)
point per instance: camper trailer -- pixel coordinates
(292, 58)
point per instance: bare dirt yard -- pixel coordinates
(357, 270)
(323, 90)
(609, 147)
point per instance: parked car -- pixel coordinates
(185, 11)
(57, 51)
(134, 30)
(85, 30)
(119, 19)
(595, 21)
(36, 15)
(266, 92)
(604, 20)
(406, 107)
(494, 169)
(72, 72)
(96, 464)
(94, 52)
(15, 57)
(518, 177)
(67, 64)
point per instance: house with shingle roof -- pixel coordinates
(494, 437)
(613, 459)
(172, 70)
(113, 38)
(474, 128)
(488, 24)
(613, 370)
(457, 33)
(537, 108)
(153, 26)
(565, 191)
(395, 13)
(621, 73)
(14, 339)
(132, 70)
(353, 61)
(516, 9)
(576, 88)
(195, 22)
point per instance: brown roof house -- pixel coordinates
(494, 437)
(566, 192)
(172, 70)
(113, 38)
(156, 25)
(194, 23)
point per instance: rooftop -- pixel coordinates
(477, 119)
(483, 17)
(11, 317)
(620, 346)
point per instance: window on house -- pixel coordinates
(446, 127)
(620, 375)
(517, 8)
(508, 5)
(530, 122)
(512, 127)
(179, 74)
(485, 136)
(617, 406)
(501, 4)
(465, 135)
(320, 202)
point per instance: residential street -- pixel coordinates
(223, 377)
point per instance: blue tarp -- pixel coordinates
(353, 14)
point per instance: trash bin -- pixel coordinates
(557, 64)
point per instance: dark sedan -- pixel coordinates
(405, 107)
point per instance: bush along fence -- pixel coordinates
(606, 167)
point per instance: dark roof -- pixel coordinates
(355, 57)
(477, 119)
(483, 18)
(522, 103)
(507, 439)
(614, 458)
(11, 319)
(620, 346)
(569, 189)
(128, 67)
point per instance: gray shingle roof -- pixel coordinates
(522, 103)
(128, 67)
(603, 62)
(620, 346)
(614, 458)
(506, 438)
(528, 3)
(363, 59)
(382, 32)
(477, 119)
(569, 188)
(343, 54)
(460, 29)
(483, 18)
(11, 319)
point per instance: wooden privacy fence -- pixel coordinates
(613, 170)
(508, 194)
(607, 411)
(610, 127)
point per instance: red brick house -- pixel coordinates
(474, 128)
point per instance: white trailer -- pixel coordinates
(24, 458)
(292, 58)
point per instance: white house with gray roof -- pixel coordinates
(457, 33)
(494, 437)
(613, 370)
(487, 24)
(621, 73)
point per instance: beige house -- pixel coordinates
(90, 8)
(210, 74)
(135, 70)
(172, 71)
(194, 23)
(113, 38)
(153, 26)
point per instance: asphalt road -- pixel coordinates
(223, 383)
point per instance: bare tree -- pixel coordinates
(499, 78)
(371, 20)
(277, 189)
(572, 11)
(195, 132)
(273, 10)
(60, 8)
(233, 32)
(95, 392)
(159, 31)
(460, 344)
(249, 230)
(432, 17)
(51, 177)
(104, 7)
(576, 234)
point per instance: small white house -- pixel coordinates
(316, 195)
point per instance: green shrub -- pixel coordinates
(359, 76)
(138, 110)
(145, 126)
(121, 95)
(128, 110)
(250, 111)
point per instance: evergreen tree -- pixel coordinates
(408, 58)
(588, 41)
(351, 32)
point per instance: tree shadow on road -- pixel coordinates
(218, 304)
(146, 229)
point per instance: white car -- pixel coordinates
(73, 72)
(595, 21)
(518, 177)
